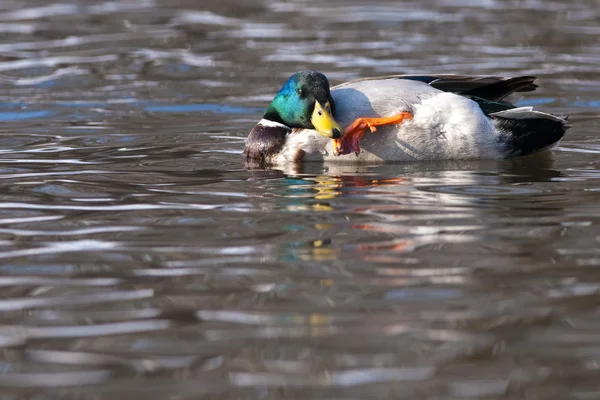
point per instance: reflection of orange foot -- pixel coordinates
(350, 142)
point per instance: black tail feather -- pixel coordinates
(526, 136)
(500, 90)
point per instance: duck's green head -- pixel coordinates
(305, 102)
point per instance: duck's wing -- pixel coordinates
(493, 88)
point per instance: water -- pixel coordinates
(140, 258)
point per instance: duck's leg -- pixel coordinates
(350, 141)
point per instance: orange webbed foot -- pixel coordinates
(350, 141)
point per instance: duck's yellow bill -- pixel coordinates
(324, 122)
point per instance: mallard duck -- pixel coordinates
(412, 117)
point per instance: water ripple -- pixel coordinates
(54, 379)
(142, 258)
(332, 378)
(91, 298)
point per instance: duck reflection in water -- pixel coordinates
(399, 208)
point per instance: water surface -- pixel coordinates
(140, 258)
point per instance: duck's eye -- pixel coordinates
(299, 91)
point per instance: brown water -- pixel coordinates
(140, 259)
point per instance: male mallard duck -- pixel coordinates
(438, 117)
